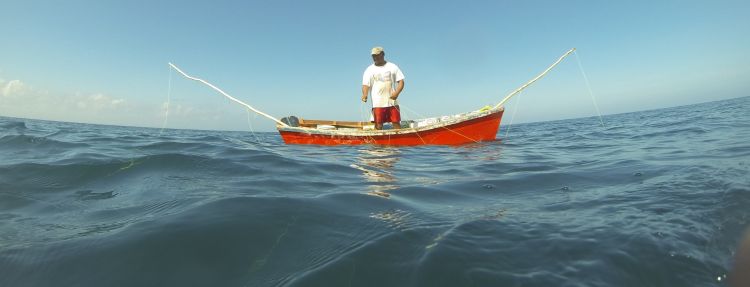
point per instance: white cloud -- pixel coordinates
(96, 97)
(179, 110)
(185, 111)
(19, 99)
(13, 88)
(97, 102)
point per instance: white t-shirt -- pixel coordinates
(382, 81)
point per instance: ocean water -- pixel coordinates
(654, 198)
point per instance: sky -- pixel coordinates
(105, 62)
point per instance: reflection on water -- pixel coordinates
(394, 218)
(376, 164)
(484, 151)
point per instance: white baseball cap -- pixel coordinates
(376, 50)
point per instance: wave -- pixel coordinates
(250, 236)
(652, 198)
(16, 126)
(19, 142)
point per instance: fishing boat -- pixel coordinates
(464, 128)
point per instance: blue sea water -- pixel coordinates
(653, 198)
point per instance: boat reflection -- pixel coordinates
(377, 164)
(484, 151)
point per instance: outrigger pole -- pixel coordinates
(533, 80)
(226, 95)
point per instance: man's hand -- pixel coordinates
(399, 88)
(394, 95)
(365, 92)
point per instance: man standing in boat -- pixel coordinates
(385, 81)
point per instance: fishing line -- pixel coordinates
(362, 112)
(169, 93)
(413, 113)
(447, 128)
(415, 127)
(588, 85)
(249, 124)
(228, 96)
(364, 120)
(513, 116)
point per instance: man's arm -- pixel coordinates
(398, 90)
(365, 91)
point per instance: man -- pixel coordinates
(384, 81)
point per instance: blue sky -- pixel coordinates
(106, 61)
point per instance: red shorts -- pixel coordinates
(386, 115)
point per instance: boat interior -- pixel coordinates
(326, 124)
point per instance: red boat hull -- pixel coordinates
(470, 131)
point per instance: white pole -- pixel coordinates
(228, 96)
(533, 80)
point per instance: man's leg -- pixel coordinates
(377, 116)
(395, 117)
